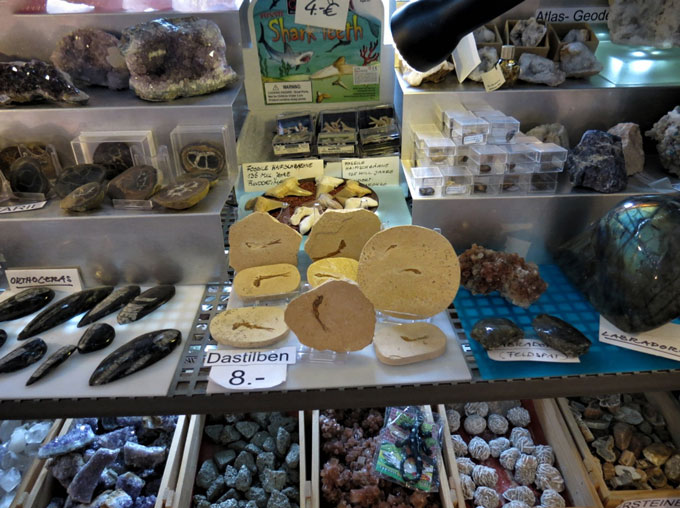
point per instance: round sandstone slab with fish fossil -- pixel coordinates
(135, 183)
(249, 326)
(84, 198)
(76, 176)
(327, 269)
(199, 157)
(183, 195)
(266, 281)
(26, 175)
(341, 233)
(115, 156)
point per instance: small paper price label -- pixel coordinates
(23, 208)
(322, 13)
(672, 502)
(493, 79)
(249, 377)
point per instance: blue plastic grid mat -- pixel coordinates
(561, 299)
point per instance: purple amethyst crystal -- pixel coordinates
(85, 482)
(117, 438)
(142, 457)
(32, 81)
(130, 483)
(76, 438)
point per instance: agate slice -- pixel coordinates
(23, 356)
(63, 310)
(54, 361)
(136, 355)
(627, 262)
(560, 335)
(145, 303)
(25, 303)
(96, 337)
(112, 303)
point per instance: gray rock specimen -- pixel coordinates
(206, 474)
(666, 133)
(483, 34)
(551, 133)
(489, 57)
(527, 32)
(577, 61)
(91, 56)
(536, 69)
(22, 82)
(82, 487)
(576, 35)
(645, 22)
(597, 163)
(631, 140)
(180, 57)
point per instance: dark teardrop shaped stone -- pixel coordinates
(54, 361)
(560, 335)
(3, 337)
(136, 355)
(627, 262)
(145, 303)
(493, 333)
(23, 356)
(96, 337)
(25, 303)
(112, 303)
(63, 310)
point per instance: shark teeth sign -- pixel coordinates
(310, 62)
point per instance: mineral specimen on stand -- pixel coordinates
(666, 133)
(91, 56)
(560, 335)
(626, 263)
(22, 82)
(23, 356)
(84, 198)
(493, 333)
(551, 133)
(644, 22)
(577, 61)
(26, 175)
(631, 140)
(183, 195)
(537, 69)
(527, 32)
(484, 271)
(171, 58)
(597, 162)
(488, 56)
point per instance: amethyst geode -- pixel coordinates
(627, 263)
(35, 81)
(171, 58)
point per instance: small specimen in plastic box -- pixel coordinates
(514, 184)
(550, 157)
(337, 133)
(486, 184)
(295, 135)
(457, 181)
(543, 183)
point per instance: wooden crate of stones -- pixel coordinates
(542, 49)
(445, 494)
(47, 487)
(660, 418)
(216, 445)
(30, 476)
(547, 427)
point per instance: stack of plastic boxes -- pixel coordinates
(482, 152)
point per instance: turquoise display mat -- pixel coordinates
(561, 299)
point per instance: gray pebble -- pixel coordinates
(265, 460)
(229, 435)
(200, 502)
(258, 495)
(261, 418)
(224, 457)
(293, 456)
(216, 490)
(229, 503)
(269, 444)
(245, 459)
(206, 474)
(292, 493)
(244, 479)
(213, 432)
(230, 494)
(237, 446)
(251, 504)
(230, 476)
(293, 475)
(233, 417)
(282, 441)
(278, 500)
(251, 448)
(259, 438)
(273, 480)
(247, 429)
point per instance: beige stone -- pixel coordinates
(327, 269)
(631, 139)
(408, 343)
(266, 281)
(341, 233)
(249, 326)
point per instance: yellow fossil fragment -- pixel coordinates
(356, 189)
(263, 204)
(289, 187)
(327, 201)
(325, 184)
(300, 213)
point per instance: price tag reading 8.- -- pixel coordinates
(322, 13)
(249, 377)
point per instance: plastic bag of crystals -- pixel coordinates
(408, 446)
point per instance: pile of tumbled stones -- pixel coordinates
(255, 464)
(629, 436)
(491, 439)
(111, 462)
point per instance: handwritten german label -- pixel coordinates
(262, 175)
(23, 208)
(530, 350)
(573, 14)
(372, 171)
(229, 358)
(652, 503)
(662, 341)
(322, 13)
(62, 279)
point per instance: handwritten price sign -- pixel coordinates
(322, 13)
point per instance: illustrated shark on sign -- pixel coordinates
(366, 13)
(289, 56)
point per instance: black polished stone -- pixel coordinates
(96, 337)
(136, 355)
(25, 303)
(23, 356)
(55, 360)
(626, 263)
(3, 337)
(493, 333)
(64, 309)
(112, 303)
(560, 335)
(145, 303)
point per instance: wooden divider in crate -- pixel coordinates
(557, 435)
(190, 458)
(445, 492)
(669, 408)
